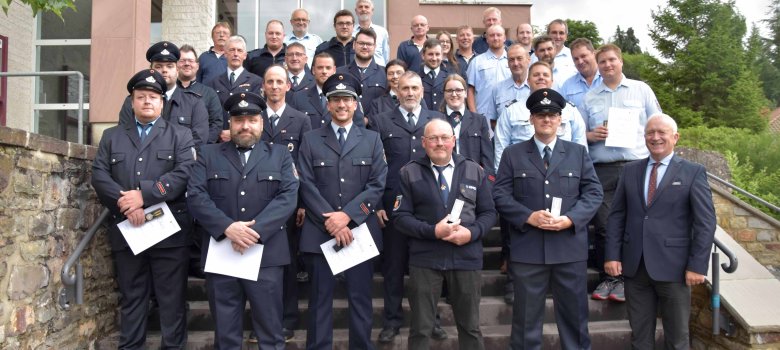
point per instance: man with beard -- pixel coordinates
(182, 107)
(372, 77)
(544, 50)
(258, 60)
(300, 34)
(213, 62)
(401, 130)
(137, 165)
(364, 9)
(245, 190)
(340, 46)
(342, 177)
(188, 69)
(485, 72)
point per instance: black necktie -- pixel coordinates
(410, 117)
(444, 192)
(295, 80)
(432, 74)
(242, 154)
(546, 158)
(342, 139)
(454, 118)
(232, 78)
(272, 120)
(324, 101)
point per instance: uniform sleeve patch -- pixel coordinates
(492, 178)
(161, 188)
(397, 203)
(295, 171)
(364, 208)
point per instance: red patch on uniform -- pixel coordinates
(364, 208)
(492, 178)
(161, 188)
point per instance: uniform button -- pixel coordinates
(369, 204)
(169, 157)
(271, 143)
(243, 210)
(243, 177)
(140, 159)
(414, 150)
(138, 188)
(546, 182)
(270, 178)
(414, 137)
(339, 194)
(475, 134)
(569, 174)
(363, 162)
(216, 176)
(113, 160)
(339, 208)
(322, 163)
(231, 94)
(434, 94)
(243, 193)
(523, 175)
(547, 196)
(389, 135)
(646, 217)
(342, 179)
(138, 173)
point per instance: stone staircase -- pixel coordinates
(608, 326)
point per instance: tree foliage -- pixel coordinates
(626, 41)
(709, 71)
(53, 6)
(583, 29)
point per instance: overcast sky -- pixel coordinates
(635, 14)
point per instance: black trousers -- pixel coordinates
(608, 174)
(395, 261)
(165, 271)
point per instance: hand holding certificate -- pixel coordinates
(159, 224)
(224, 260)
(623, 127)
(359, 250)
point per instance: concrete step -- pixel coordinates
(603, 334)
(493, 283)
(493, 311)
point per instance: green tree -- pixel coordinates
(54, 6)
(709, 70)
(626, 41)
(583, 29)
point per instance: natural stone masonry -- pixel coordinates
(47, 204)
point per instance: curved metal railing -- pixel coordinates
(74, 283)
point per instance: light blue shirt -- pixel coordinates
(659, 172)
(485, 71)
(504, 93)
(335, 128)
(575, 88)
(309, 41)
(139, 126)
(631, 94)
(514, 126)
(540, 146)
(382, 51)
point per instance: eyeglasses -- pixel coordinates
(546, 115)
(304, 20)
(295, 54)
(344, 24)
(454, 91)
(187, 61)
(364, 44)
(441, 138)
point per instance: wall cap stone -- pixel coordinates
(42, 143)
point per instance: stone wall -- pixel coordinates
(18, 25)
(189, 22)
(47, 205)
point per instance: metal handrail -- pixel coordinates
(763, 202)
(74, 284)
(61, 73)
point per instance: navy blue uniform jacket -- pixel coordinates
(158, 167)
(523, 186)
(475, 142)
(308, 102)
(402, 143)
(349, 180)
(185, 108)
(305, 84)
(288, 131)
(420, 208)
(674, 233)
(222, 191)
(373, 82)
(434, 89)
(246, 82)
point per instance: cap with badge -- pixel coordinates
(245, 103)
(545, 101)
(147, 79)
(342, 84)
(164, 51)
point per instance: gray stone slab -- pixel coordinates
(749, 268)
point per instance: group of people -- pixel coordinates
(303, 140)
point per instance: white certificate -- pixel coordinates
(152, 231)
(623, 127)
(456, 209)
(224, 260)
(555, 208)
(361, 249)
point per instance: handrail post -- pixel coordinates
(74, 283)
(715, 293)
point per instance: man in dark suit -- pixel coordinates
(432, 73)
(313, 102)
(659, 235)
(181, 106)
(443, 249)
(373, 81)
(401, 131)
(548, 191)
(137, 165)
(235, 80)
(342, 177)
(245, 190)
(285, 126)
(299, 73)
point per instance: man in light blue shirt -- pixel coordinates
(300, 23)
(544, 50)
(615, 94)
(515, 87)
(559, 32)
(364, 9)
(485, 71)
(587, 77)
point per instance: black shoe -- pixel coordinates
(509, 298)
(302, 276)
(387, 335)
(439, 333)
(252, 338)
(288, 334)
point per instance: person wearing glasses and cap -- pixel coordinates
(245, 190)
(184, 107)
(548, 191)
(138, 165)
(343, 175)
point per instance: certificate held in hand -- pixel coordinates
(361, 249)
(159, 224)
